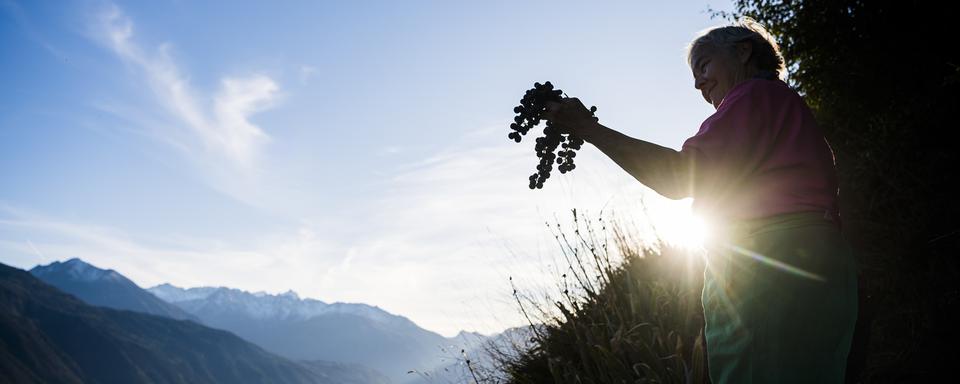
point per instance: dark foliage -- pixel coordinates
(883, 79)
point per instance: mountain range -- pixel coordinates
(359, 341)
(311, 329)
(51, 336)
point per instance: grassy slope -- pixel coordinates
(637, 320)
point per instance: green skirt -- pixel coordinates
(779, 301)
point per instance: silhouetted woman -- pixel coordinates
(779, 294)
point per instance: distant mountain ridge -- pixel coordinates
(77, 270)
(309, 329)
(303, 329)
(50, 336)
(483, 353)
(284, 306)
(105, 288)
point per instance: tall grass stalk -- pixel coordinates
(631, 314)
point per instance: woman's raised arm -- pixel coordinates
(666, 171)
(669, 172)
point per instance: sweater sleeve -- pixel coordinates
(728, 147)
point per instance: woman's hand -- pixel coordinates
(570, 116)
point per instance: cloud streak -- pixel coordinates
(220, 123)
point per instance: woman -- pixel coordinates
(779, 293)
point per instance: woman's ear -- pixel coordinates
(744, 50)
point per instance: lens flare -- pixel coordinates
(684, 229)
(776, 263)
(698, 231)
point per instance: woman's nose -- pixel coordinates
(698, 82)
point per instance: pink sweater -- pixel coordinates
(760, 154)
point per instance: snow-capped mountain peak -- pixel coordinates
(290, 294)
(77, 270)
(104, 287)
(173, 294)
(260, 305)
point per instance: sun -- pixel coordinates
(696, 232)
(677, 225)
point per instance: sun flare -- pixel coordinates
(696, 233)
(675, 223)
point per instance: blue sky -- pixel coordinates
(350, 151)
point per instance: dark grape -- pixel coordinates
(528, 116)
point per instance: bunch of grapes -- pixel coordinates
(528, 113)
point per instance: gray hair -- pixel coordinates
(766, 52)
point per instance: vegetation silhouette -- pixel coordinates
(624, 309)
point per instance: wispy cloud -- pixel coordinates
(220, 122)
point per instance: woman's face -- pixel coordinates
(715, 70)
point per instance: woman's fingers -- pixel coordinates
(550, 110)
(575, 104)
(567, 112)
(564, 129)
